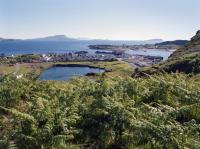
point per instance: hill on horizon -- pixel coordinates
(175, 42)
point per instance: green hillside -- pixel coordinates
(193, 47)
(185, 59)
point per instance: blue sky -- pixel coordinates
(102, 19)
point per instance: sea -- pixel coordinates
(38, 47)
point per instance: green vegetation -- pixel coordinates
(156, 112)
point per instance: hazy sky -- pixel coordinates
(105, 19)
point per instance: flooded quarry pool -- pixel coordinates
(66, 72)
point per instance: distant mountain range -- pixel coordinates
(63, 38)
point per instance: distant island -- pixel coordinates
(167, 45)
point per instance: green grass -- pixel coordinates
(23, 68)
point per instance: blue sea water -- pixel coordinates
(38, 47)
(35, 47)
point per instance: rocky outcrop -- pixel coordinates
(196, 38)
